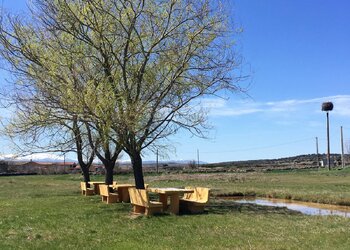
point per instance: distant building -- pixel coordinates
(43, 168)
(324, 161)
(33, 167)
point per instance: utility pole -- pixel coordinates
(197, 157)
(328, 145)
(342, 147)
(328, 106)
(318, 159)
(157, 163)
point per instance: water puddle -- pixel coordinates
(308, 208)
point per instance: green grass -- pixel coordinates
(315, 186)
(329, 187)
(48, 212)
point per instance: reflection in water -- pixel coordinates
(303, 207)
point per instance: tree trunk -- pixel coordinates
(109, 173)
(136, 161)
(86, 174)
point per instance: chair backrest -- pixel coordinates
(103, 190)
(138, 197)
(200, 194)
(83, 185)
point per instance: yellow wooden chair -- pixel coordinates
(85, 190)
(141, 203)
(195, 202)
(108, 196)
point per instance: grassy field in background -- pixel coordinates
(48, 212)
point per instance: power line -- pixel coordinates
(262, 147)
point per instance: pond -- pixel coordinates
(308, 208)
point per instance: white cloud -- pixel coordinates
(221, 107)
(213, 103)
(342, 105)
(234, 112)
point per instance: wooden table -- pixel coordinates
(174, 194)
(123, 192)
(96, 184)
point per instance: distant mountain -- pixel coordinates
(39, 157)
(182, 162)
(49, 157)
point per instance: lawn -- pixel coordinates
(48, 212)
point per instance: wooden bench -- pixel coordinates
(85, 190)
(108, 196)
(196, 201)
(141, 204)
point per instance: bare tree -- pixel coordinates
(55, 94)
(173, 53)
(133, 71)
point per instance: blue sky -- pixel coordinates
(299, 56)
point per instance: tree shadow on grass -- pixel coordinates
(222, 206)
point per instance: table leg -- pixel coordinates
(125, 194)
(120, 194)
(97, 188)
(174, 203)
(163, 198)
